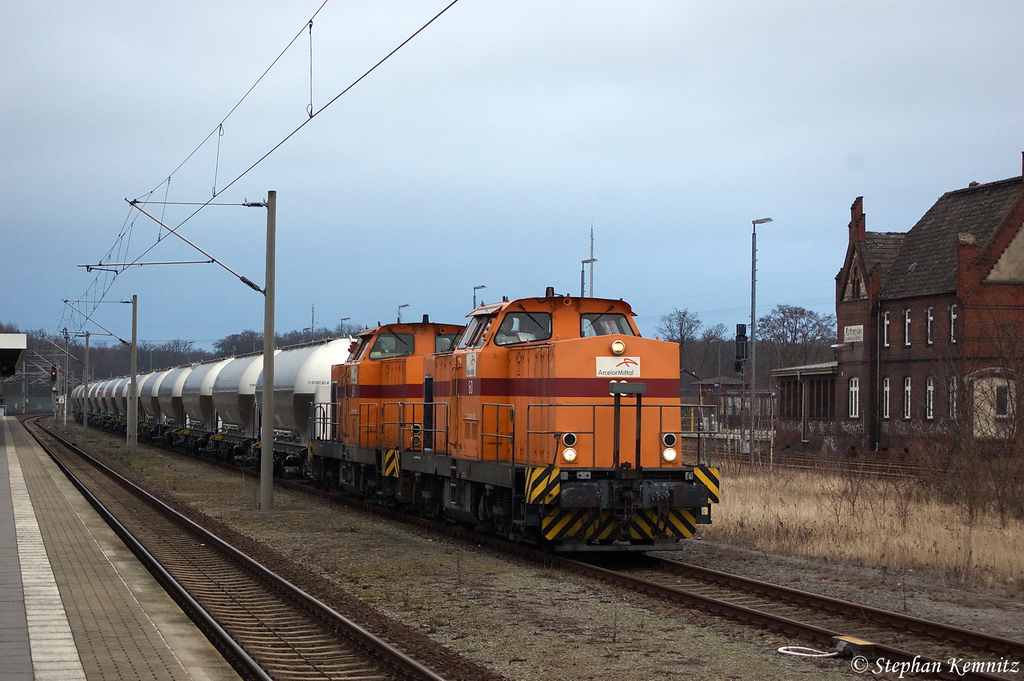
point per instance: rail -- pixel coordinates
(305, 656)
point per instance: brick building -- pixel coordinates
(931, 335)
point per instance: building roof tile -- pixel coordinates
(880, 249)
(926, 261)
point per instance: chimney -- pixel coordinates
(858, 229)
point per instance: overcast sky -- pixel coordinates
(482, 152)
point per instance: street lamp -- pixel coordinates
(475, 289)
(753, 330)
(400, 312)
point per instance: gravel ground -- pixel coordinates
(527, 622)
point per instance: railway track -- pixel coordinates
(807, 618)
(267, 628)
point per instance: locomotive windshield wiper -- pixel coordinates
(539, 325)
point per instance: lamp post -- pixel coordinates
(475, 289)
(400, 312)
(753, 331)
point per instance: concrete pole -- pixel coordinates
(133, 387)
(753, 331)
(267, 431)
(85, 386)
(67, 379)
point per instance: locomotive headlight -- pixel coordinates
(669, 455)
(569, 454)
(618, 347)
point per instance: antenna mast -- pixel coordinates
(592, 260)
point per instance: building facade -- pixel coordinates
(930, 335)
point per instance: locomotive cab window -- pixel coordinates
(604, 325)
(476, 332)
(523, 327)
(356, 349)
(444, 342)
(392, 345)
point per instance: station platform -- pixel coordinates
(75, 603)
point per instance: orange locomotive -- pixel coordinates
(549, 420)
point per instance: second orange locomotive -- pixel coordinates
(547, 419)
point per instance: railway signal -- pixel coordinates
(741, 346)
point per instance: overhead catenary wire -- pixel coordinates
(248, 92)
(124, 238)
(313, 115)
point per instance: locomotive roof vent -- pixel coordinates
(426, 319)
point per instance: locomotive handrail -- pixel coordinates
(407, 425)
(368, 431)
(322, 421)
(554, 457)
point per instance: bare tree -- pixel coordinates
(713, 352)
(794, 336)
(679, 326)
(239, 343)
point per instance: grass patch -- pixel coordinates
(892, 524)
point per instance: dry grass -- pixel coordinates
(885, 523)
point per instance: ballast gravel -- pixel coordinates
(519, 620)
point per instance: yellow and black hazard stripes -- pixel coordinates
(543, 485)
(709, 476)
(662, 523)
(392, 463)
(579, 523)
(595, 525)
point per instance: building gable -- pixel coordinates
(855, 288)
(1009, 268)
